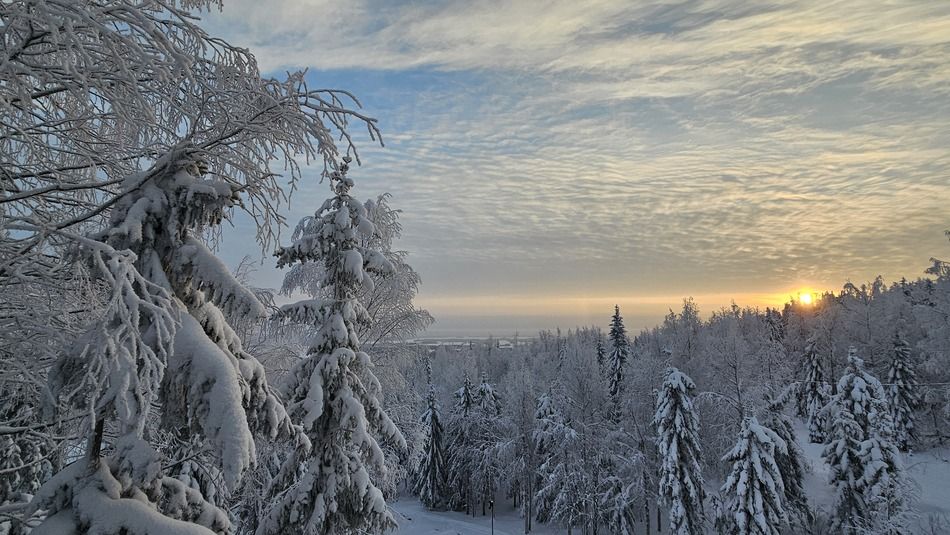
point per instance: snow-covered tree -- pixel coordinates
(816, 390)
(326, 486)
(163, 339)
(903, 396)
(860, 393)
(465, 397)
(547, 432)
(430, 474)
(842, 454)
(860, 455)
(619, 353)
(562, 472)
(459, 454)
(129, 134)
(488, 400)
(677, 440)
(882, 482)
(791, 462)
(389, 301)
(620, 481)
(754, 486)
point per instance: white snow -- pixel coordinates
(414, 519)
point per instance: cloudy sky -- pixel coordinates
(553, 158)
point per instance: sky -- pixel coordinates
(554, 158)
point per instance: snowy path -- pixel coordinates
(414, 519)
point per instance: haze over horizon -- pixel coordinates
(552, 162)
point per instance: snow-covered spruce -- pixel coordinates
(619, 353)
(754, 487)
(791, 463)
(389, 300)
(163, 340)
(882, 481)
(677, 440)
(903, 397)
(327, 487)
(489, 401)
(486, 426)
(842, 454)
(562, 474)
(816, 390)
(547, 432)
(860, 454)
(430, 476)
(459, 448)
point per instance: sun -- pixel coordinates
(805, 298)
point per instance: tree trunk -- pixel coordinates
(95, 445)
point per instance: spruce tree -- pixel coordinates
(842, 454)
(882, 482)
(488, 400)
(619, 352)
(860, 454)
(431, 473)
(546, 433)
(561, 471)
(791, 463)
(164, 340)
(465, 397)
(459, 454)
(859, 392)
(816, 394)
(677, 441)
(902, 393)
(755, 488)
(328, 487)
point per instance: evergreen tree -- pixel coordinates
(882, 482)
(842, 454)
(860, 454)
(677, 441)
(860, 393)
(816, 394)
(164, 340)
(489, 403)
(562, 472)
(431, 475)
(546, 433)
(486, 426)
(459, 451)
(902, 393)
(791, 463)
(328, 488)
(754, 486)
(619, 352)
(465, 397)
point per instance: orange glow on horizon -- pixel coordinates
(595, 305)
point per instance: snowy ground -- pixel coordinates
(414, 519)
(930, 470)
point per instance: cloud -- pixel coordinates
(655, 148)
